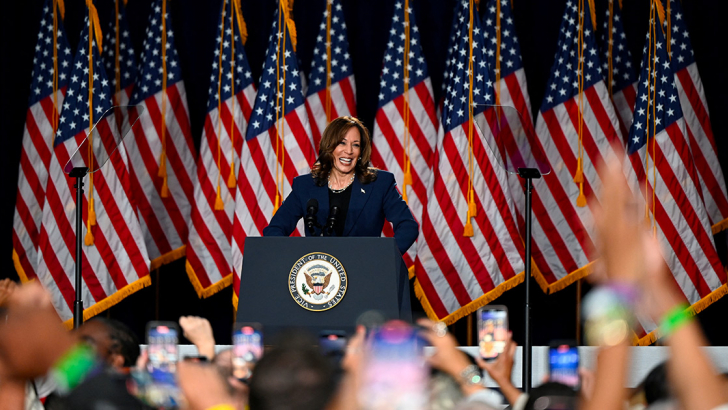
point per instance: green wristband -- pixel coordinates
(675, 319)
(73, 367)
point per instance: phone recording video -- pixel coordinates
(564, 363)
(396, 374)
(162, 339)
(163, 355)
(492, 331)
(247, 348)
(332, 343)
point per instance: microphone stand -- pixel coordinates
(528, 174)
(78, 173)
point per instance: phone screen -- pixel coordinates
(564, 364)
(247, 349)
(396, 374)
(162, 350)
(332, 343)
(492, 332)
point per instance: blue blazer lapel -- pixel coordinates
(359, 196)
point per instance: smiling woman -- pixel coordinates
(346, 188)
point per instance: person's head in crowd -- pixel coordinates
(552, 395)
(656, 385)
(293, 375)
(113, 341)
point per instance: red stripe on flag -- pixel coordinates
(23, 258)
(56, 270)
(470, 254)
(711, 183)
(37, 139)
(34, 185)
(441, 257)
(565, 204)
(697, 104)
(429, 291)
(427, 102)
(264, 172)
(152, 166)
(348, 92)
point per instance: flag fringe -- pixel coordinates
(19, 268)
(470, 307)
(720, 226)
(411, 271)
(168, 257)
(235, 303)
(567, 280)
(205, 292)
(112, 300)
(696, 308)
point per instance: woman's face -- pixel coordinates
(347, 152)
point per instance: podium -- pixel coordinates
(282, 277)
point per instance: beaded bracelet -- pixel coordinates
(73, 367)
(675, 319)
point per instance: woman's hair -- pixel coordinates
(332, 136)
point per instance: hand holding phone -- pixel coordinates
(333, 344)
(247, 348)
(162, 339)
(564, 363)
(492, 330)
(395, 371)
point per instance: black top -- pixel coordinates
(340, 200)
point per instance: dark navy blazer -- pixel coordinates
(369, 205)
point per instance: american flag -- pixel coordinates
(503, 58)
(697, 119)
(622, 79)
(161, 153)
(43, 111)
(115, 261)
(278, 144)
(461, 6)
(562, 227)
(119, 59)
(230, 100)
(332, 91)
(405, 125)
(457, 271)
(668, 183)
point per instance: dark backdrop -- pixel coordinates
(368, 21)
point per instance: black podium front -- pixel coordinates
(371, 269)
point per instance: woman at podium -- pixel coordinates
(343, 195)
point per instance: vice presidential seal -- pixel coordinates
(317, 281)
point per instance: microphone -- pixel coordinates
(310, 219)
(331, 221)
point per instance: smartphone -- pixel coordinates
(564, 363)
(247, 348)
(162, 339)
(332, 343)
(492, 330)
(396, 374)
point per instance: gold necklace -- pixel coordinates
(338, 191)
